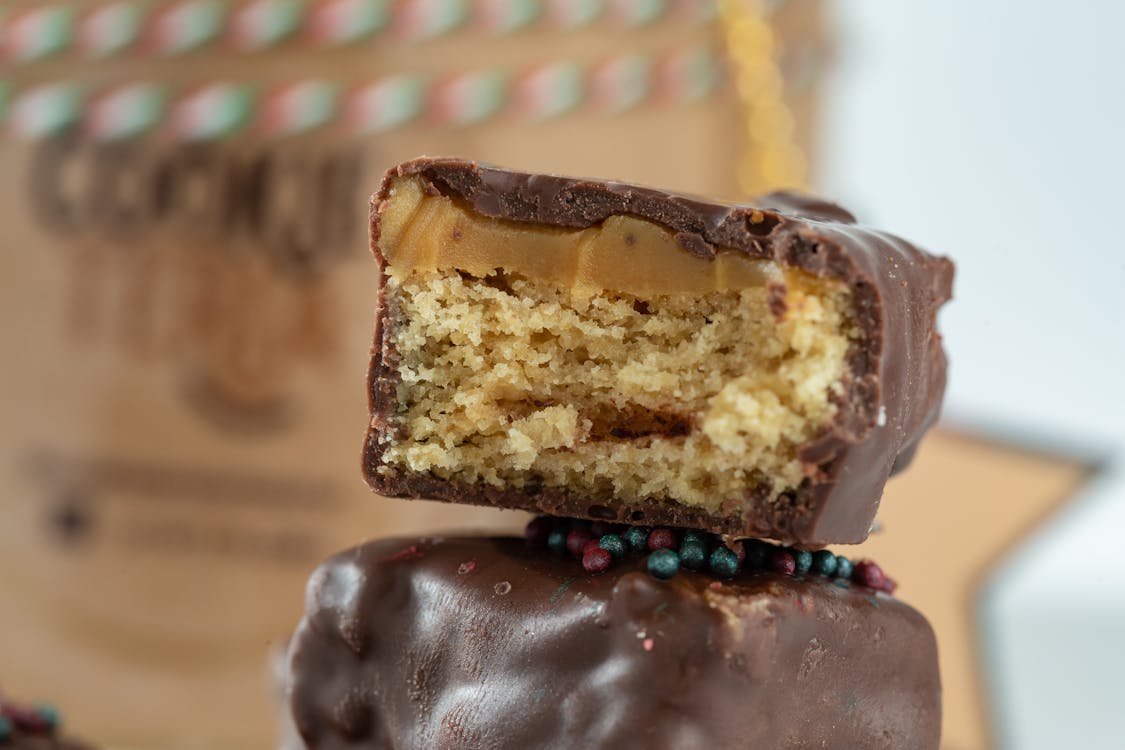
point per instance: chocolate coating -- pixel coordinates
(473, 643)
(892, 391)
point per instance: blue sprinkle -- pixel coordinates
(844, 567)
(803, 559)
(5, 729)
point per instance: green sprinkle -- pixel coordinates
(663, 564)
(5, 729)
(824, 563)
(844, 567)
(724, 562)
(556, 540)
(803, 559)
(614, 544)
(637, 538)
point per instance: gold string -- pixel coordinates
(771, 157)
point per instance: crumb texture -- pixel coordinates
(698, 399)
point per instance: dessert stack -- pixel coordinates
(698, 398)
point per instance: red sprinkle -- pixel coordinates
(661, 539)
(537, 531)
(782, 562)
(596, 560)
(648, 643)
(590, 545)
(576, 541)
(466, 567)
(27, 719)
(868, 573)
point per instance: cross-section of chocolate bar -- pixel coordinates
(603, 350)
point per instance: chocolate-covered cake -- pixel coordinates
(469, 643)
(603, 350)
(674, 382)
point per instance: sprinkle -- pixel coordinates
(576, 541)
(637, 538)
(824, 563)
(844, 567)
(593, 543)
(715, 586)
(663, 564)
(5, 728)
(869, 574)
(648, 643)
(661, 539)
(556, 541)
(49, 714)
(502, 588)
(466, 567)
(802, 560)
(693, 553)
(724, 562)
(596, 560)
(537, 530)
(614, 544)
(781, 561)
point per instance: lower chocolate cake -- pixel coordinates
(632, 640)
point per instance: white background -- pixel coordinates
(994, 132)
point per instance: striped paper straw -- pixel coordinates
(384, 105)
(549, 91)
(37, 33)
(468, 98)
(263, 23)
(211, 111)
(107, 30)
(44, 110)
(621, 83)
(417, 20)
(299, 107)
(336, 22)
(185, 26)
(126, 111)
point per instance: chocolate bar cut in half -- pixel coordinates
(601, 350)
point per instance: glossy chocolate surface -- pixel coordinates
(473, 642)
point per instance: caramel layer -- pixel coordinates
(422, 232)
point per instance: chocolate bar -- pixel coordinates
(478, 642)
(602, 350)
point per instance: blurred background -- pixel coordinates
(187, 308)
